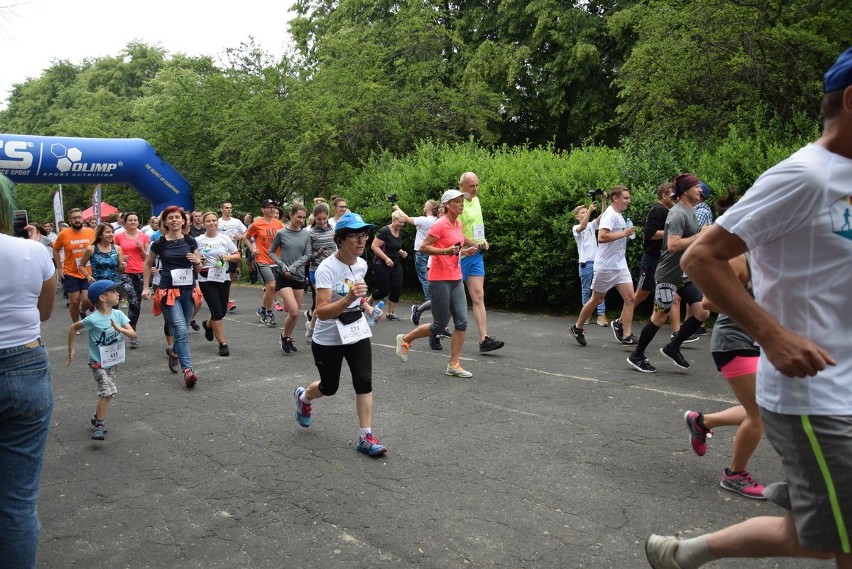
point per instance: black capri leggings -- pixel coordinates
(329, 361)
(389, 281)
(216, 296)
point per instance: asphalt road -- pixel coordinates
(552, 455)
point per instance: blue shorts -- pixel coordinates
(73, 284)
(473, 266)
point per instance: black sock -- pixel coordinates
(687, 329)
(649, 330)
(700, 422)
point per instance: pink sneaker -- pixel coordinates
(278, 306)
(743, 484)
(698, 435)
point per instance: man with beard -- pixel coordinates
(73, 241)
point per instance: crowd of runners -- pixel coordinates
(774, 267)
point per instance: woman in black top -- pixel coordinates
(387, 247)
(180, 258)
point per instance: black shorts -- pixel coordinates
(73, 284)
(286, 282)
(647, 268)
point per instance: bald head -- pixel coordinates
(469, 183)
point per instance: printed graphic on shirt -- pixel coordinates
(840, 213)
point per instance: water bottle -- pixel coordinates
(629, 223)
(377, 313)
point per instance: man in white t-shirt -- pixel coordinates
(611, 268)
(422, 223)
(235, 229)
(791, 221)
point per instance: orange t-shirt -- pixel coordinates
(74, 244)
(263, 232)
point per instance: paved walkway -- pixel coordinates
(551, 456)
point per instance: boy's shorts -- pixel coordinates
(816, 455)
(106, 380)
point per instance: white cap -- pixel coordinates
(453, 194)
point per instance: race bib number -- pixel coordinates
(217, 274)
(112, 355)
(181, 277)
(479, 232)
(351, 333)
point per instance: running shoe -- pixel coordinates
(94, 422)
(415, 315)
(617, 330)
(194, 325)
(303, 410)
(290, 343)
(698, 434)
(693, 338)
(261, 312)
(278, 306)
(489, 344)
(308, 315)
(642, 364)
(282, 339)
(602, 321)
(435, 342)
(446, 333)
(660, 551)
(208, 331)
(370, 445)
(309, 332)
(630, 340)
(579, 335)
(457, 371)
(98, 433)
(270, 320)
(134, 343)
(402, 348)
(675, 356)
(223, 350)
(743, 484)
(174, 361)
(391, 317)
(232, 306)
(701, 331)
(189, 378)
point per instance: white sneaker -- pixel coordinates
(309, 332)
(457, 371)
(402, 348)
(660, 551)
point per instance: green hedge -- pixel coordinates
(528, 194)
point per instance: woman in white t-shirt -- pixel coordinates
(342, 331)
(27, 291)
(422, 224)
(217, 251)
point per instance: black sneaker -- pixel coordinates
(642, 364)
(174, 361)
(490, 344)
(208, 331)
(435, 342)
(223, 350)
(290, 343)
(194, 325)
(308, 315)
(674, 355)
(95, 422)
(284, 345)
(630, 340)
(617, 330)
(693, 338)
(579, 335)
(415, 315)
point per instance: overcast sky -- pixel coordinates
(34, 33)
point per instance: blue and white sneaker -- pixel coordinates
(261, 312)
(303, 410)
(415, 315)
(370, 445)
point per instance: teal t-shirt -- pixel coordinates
(101, 332)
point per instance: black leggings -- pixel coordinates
(329, 361)
(132, 286)
(389, 281)
(216, 296)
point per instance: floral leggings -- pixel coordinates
(132, 286)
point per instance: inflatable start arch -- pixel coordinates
(63, 160)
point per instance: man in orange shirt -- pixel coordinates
(258, 238)
(73, 241)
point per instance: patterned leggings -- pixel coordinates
(132, 286)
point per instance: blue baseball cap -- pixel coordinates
(352, 221)
(705, 190)
(97, 288)
(839, 75)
